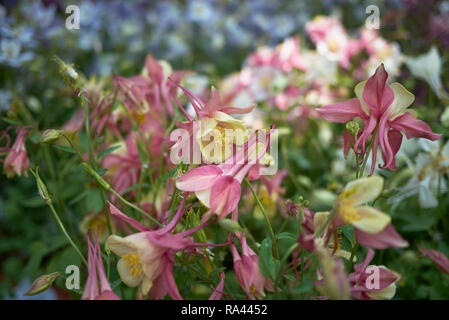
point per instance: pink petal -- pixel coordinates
(342, 111)
(413, 127)
(199, 178)
(123, 217)
(385, 239)
(386, 277)
(218, 292)
(231, 110)
(154, 69)
(377, 94)
(348, 139)
(225, 195)
(437, 257)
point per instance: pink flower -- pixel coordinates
(147, 257)
(437, 257)
(17, 162)
(382, 110)
(285, 57)
(151, 91)
(247, 271)
(214, 121)
(92, 289)
(124, 164)
(332, 40)
(218, 187)
(370, 282)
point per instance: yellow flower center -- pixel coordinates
(333, 45)
(133, 261)
(345, 207)
(221, 142)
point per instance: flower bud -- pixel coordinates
(41, 187)
(42, 283)
(353, 127)
(51, 135)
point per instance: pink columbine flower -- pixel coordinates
(214, 121)
(437, 257)
(17, 162)
(124, 163)
(248, 272)
(147, 257)
(285, 57)
(218, 187)
(151, 91)
(369, 282)
(332, 40)
(97, 285)
(382, 109)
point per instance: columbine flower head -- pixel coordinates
(216, 131)
(350, 206)
(17, 162)
(332, 40)
(369, 282)
(382, 108)
(94, 289)
(147, 257)
(428, 67)
(428, 175)
(218, 187)
(248, 272)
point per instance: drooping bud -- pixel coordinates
(51, 135)
(41, 187)
(68, 72)
(42, 283)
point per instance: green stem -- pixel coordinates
(283, 260)
(66, 234)
(267, 220)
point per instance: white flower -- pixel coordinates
(428, 67)
(428, 175)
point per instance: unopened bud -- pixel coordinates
(230, 225)
(42, 283)
(51, 135)
(353, 127)
(42, 189)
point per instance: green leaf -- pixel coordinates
(287, 235)
(268, 266)
(64, 148)
(107, 151)
(348, 232)
(102, 171)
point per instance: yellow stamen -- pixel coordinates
(132, 259)
(345, 207)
